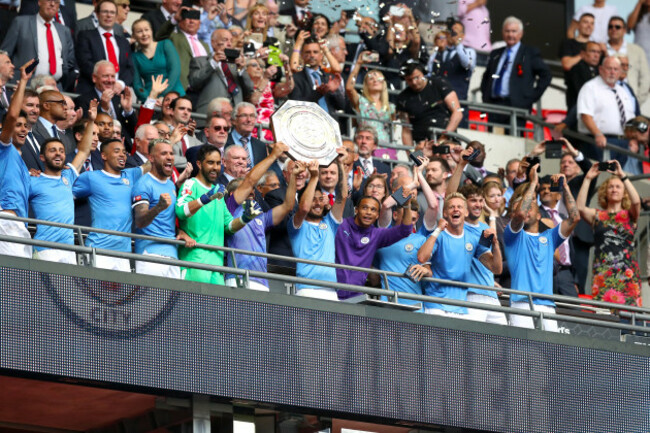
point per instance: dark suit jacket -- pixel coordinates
(90, 50)
(88, 24)
(529, 78)
(156, 18)
(259, 148)
(128, 122)
(31, 157)
(41, 134)
(278, 237)
(303, 90)
(575, 78)
(381, 166)
(69, 12)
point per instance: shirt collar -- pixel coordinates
(41, 20)
(46, 123)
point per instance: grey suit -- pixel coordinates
(179, 156)
(88, 24)
(210, 84)
(22, 45)
(41, 134)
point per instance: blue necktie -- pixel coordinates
(323, 104)
(55, 133)
(498, 84)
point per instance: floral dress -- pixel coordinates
(616, 272)
(265, 108)
(368, 109)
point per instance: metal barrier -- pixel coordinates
(392, 295)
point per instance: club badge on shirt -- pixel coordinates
(365, 240)
(258, 221)
(322, 226)
(543, 240)
(125, 181)
(65, 181)
(469, 246)
(408, 248)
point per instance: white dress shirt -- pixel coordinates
(43, 67)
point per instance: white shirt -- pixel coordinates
(597, 99)
(611, 51)
(43, 67)
(601, 20)
(113, 41)
(371, 167)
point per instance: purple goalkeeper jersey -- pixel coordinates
(356, 246)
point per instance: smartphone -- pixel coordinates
(606, 166)
(535, 160)
(256, 39)
(414, 157)
(472, 156)
(559, 186)
(231, 55)
(371, 57)
(396, 11)
(486, 241)
(349, 12)
(408, 275)
(553, 149)
(274, 56)
(285, 20)
(399, 197)
(443, 149)
(30, 68)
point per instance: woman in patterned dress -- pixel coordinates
(616, 275)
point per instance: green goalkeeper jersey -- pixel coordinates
(207, 226)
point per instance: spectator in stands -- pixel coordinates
(436, 173)
(91, 22)
(448, 252)
(326, 61)
(216, 133)
(217, 76)
(369, 34)
(571, 48)
(622, 80)
(58, 62)
(103, 44)
(312, 231)
(109, 194)
(123, 8)
(479, 161)
(581, 72)
(515, 75)
(638, 75)
(214, 16)
(299, 12)
(154, 203)
(258, 21)
(530, 253)
(313, 84)
(14, 177)
(6, 74)
(53, 108)
(475, 17)
(159, 16)
(221, 107)
(50, 195)
(93, 161)
(366, 140)
(144, 135)
(328, 180)
(495, 205)
(238, 10)
(185, 40)
(616, 276)
(269, 182)
(241, 134)
(235, 164)
(512, 167)
(639, 22)
(151, 59)
(601, 12)
(167, 113)
(253, 237)
(372, 103)
(441, 108)
(358, 239)
(603, 108)
(182, 111)
(454, 62)
(203, 216)
(267, 90)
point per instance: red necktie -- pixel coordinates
(57, 18)
(50, 48)
(230, 80)
(184, 146)
(331, 197)
(111, 52)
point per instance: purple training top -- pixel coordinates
(356, 246)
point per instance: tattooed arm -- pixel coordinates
(522, 208)
(567, 226)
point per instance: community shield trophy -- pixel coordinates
(309, 131)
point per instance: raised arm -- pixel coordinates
(15, 105)
(635, 208)
(342, 192)
(248, 184)
(567, 226)
(519, 216)
(425, 251)
(83, 150)
(280, 212)
(350, 91)
(454, 181)
(588, 214)
(453, 105)
(307, 198)
(492, 259)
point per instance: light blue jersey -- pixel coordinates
(530, 258)
(479, 274)
(14, 181)
(397, 258)
(147, 191)
(51, 200)
(110, 204)
(451, 259)
(314, 241)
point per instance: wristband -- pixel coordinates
(624, 178)
(436, 232)
(492, 218)
(296, 51)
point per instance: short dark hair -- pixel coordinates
(80, 126)
(172, 104)
(30, 93)
(368, 197)
(104, 144)
(22, 114)
(310, 40)
(48, 141)
(205, 150)
(586, 14)
(101, 2)
(470, 190)
(411, 66)
(617, 18)
(443, 163)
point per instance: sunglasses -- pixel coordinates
(615, 26)
(220, 128)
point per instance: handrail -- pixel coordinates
(530, 295)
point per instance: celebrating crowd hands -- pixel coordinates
(100, 162)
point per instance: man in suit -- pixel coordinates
(181, 108)
(117, 106)
(313, 85)
(366, 140)
(242, 127)
(91, 22)
(185, 40)
(6, 74)
(235, 164)
(53, 109)
(299, 12)
(31, 35)
(67, 14)
(143, 136)
(164, 13)
(515, 75)
(103, 44)
(214, 76)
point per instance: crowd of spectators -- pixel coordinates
(223, 180)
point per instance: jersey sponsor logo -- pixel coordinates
(137, 198)
(543, 240)
(65, 181)
(469, 246)
(125, 181)
(408, 248)
(365, 240)
(322, 226)
(109, 309)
